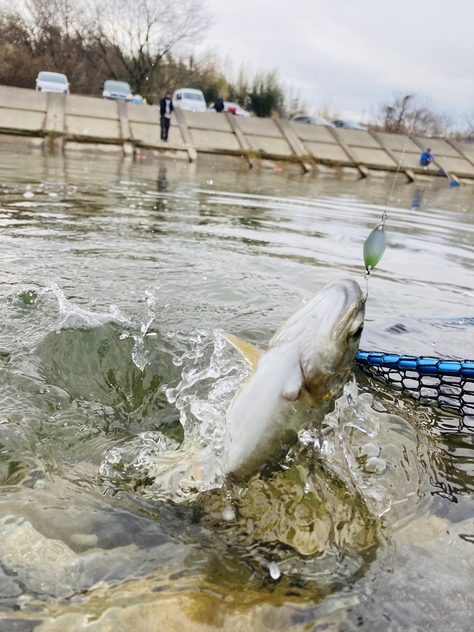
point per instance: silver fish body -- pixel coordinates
(305, 367)
(308, 361)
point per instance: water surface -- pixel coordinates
(116, 282)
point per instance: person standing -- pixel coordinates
(166, 108)
(219, 104)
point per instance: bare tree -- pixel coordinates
(133, 40)
(40, 18)
(468, 129)
(293, 103)
(239, 90)
(141, 33)
(91, 40)
(407, 114)
(49, 30)
(397, 116)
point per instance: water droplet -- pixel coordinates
(370, 450)
(374, 465)
(274, 571)
(228, 514)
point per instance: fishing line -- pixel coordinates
(375, 243)
(422, 85)
(448, 384)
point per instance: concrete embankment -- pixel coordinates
(57, 122)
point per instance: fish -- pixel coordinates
(308, 360)
(305, 367)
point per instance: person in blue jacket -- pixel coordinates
(425, 158)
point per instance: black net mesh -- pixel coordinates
(449, 384)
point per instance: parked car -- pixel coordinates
(348, 124)
(52, 82)
(310, 120)
(233, 108)
(113, 89)
(189, 99)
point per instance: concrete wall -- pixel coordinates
(75, 122)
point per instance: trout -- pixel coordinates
(303, 370)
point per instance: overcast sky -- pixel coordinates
(354, 54)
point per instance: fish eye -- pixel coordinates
(358, 332)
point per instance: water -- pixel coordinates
(117, 281)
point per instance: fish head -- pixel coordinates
(324, 336)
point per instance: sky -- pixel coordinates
(353, 55)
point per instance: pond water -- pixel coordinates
(118, 279)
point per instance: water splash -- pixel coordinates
(125, 462)
(368, 449)
(362, 446)
(139, 353)
(211, 375)
(75, 317)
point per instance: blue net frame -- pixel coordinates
(448, 384)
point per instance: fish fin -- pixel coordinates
(250, 352)
(293, 388)
(308, 397)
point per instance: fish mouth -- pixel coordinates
(324, 378)
(352, 312)
(350, 322)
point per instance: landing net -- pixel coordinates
(449, 384)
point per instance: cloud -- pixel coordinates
(354, 53)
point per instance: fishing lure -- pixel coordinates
(374, 247)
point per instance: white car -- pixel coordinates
(117, 90)
(52, 82)
(189, 99)
(309, 119)
(349, 124)
(233, 108)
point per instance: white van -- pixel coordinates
(52, 82)
(189, 99)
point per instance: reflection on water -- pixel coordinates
(116, 278)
